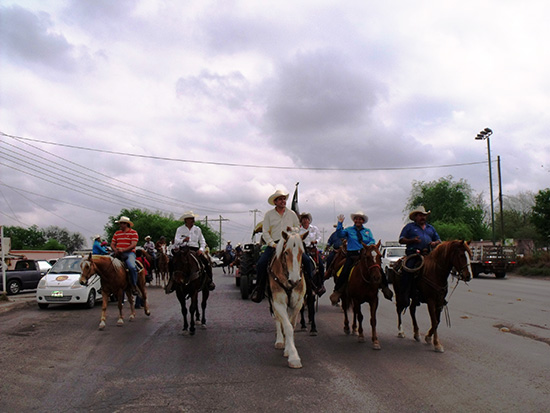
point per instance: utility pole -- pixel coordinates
(500, 202)
(323, 232)
(220, 219)
(254, 211)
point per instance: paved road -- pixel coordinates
(57, 359)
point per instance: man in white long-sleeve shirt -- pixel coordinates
(190, 235)
(310, 242)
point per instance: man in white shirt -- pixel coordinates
(275, 221)
(191, 236)
(310, 242)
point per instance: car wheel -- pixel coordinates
(43, 306)
(90, 303)
(14, 287)
(500, 274)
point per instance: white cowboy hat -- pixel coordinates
(418, 210)
(148, 237)
(124, 220)
(360, 214)
(306, 215)
(277, 194)
(97, 237)
(188, 214)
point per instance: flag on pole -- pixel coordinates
(294, 205)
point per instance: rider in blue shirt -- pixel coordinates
(356, 235)
(97, 248)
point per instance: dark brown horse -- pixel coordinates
(430, 285)
(189, 279)
(115, 281)
(362, 288)
(310, 299)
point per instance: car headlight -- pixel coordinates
(77, 284)
(42, 283)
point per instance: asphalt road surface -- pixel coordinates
(497, 358)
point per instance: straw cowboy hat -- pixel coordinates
(418, 210)
(97, 237)
(188, 214)
(147, 238)
(124, 220)
(277, 194)
(306, 215)
(360, 214)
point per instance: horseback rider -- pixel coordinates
(333, 245)
(98, 248)
(191, 235)
(356, 235)
(420, 238)
(123, 245)
(310, 242)
(275, 222)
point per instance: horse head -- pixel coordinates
(88, 269)
(290, 253)
(186, 265)
(371, 258)
(461, 259)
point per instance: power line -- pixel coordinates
(161, 158)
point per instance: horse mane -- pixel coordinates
(442, 250)
(281, 245)
(99, 259)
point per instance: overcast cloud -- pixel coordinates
(361, 87)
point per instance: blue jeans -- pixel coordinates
(130, 259)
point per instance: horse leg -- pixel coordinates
(280, 337)
(141, 286)
(205, 295)
(416, 330)
(193, 308)
(286, 329)
(120, 294)
(346, 320)
(181, 299)
(311, 314)
(103, 309)
(435, 315)
(358, 319)
(373, 307)
(303, 324)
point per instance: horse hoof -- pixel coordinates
(439, 349)
(131, 318)
(361, 339)
(401, 334)
(120, 322)
(303, 328)
(428, 339)
(285, 354)
(203, 326)
(376, 346)
(346, 331)
(295, 364)
(279, 346)
(313, 333)
(102, 325)
(147, 313)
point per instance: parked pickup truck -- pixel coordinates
(25, 276)
(495, 259)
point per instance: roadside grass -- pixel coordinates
(537, 264)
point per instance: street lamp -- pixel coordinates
(484, 135)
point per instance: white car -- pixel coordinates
(390, 255)
(216, 262)
(61, 285)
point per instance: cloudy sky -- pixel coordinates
(210, 106)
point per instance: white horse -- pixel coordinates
(288, 288)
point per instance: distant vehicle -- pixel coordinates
(390, 255)
(495, 259)
(62, 285)
(216, 262)
(25, 276)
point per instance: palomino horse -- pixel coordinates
(362, 288)
(189, 279)
(431, 285)
(288, 288)
(162, 267)
(114, 280)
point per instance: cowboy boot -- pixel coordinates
(259, 292)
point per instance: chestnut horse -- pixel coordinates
(362, 287)
(287, 287)
(114, 280)
(162, 267)
(430, 285)
(189, 279)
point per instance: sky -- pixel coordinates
(211, 106)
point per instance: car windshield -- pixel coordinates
(67, 266)
(396, 252)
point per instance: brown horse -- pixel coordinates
(189, 279)
(162, 267)
(288, 288)
(430, 285)
(362, 287)
(310, 299)
(115, 281)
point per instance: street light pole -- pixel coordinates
(484, 135)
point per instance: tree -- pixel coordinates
(71, 241)
(541, 214)
(456, 212)
(25, 239)
(156, 225)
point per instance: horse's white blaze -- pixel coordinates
(469, 263)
